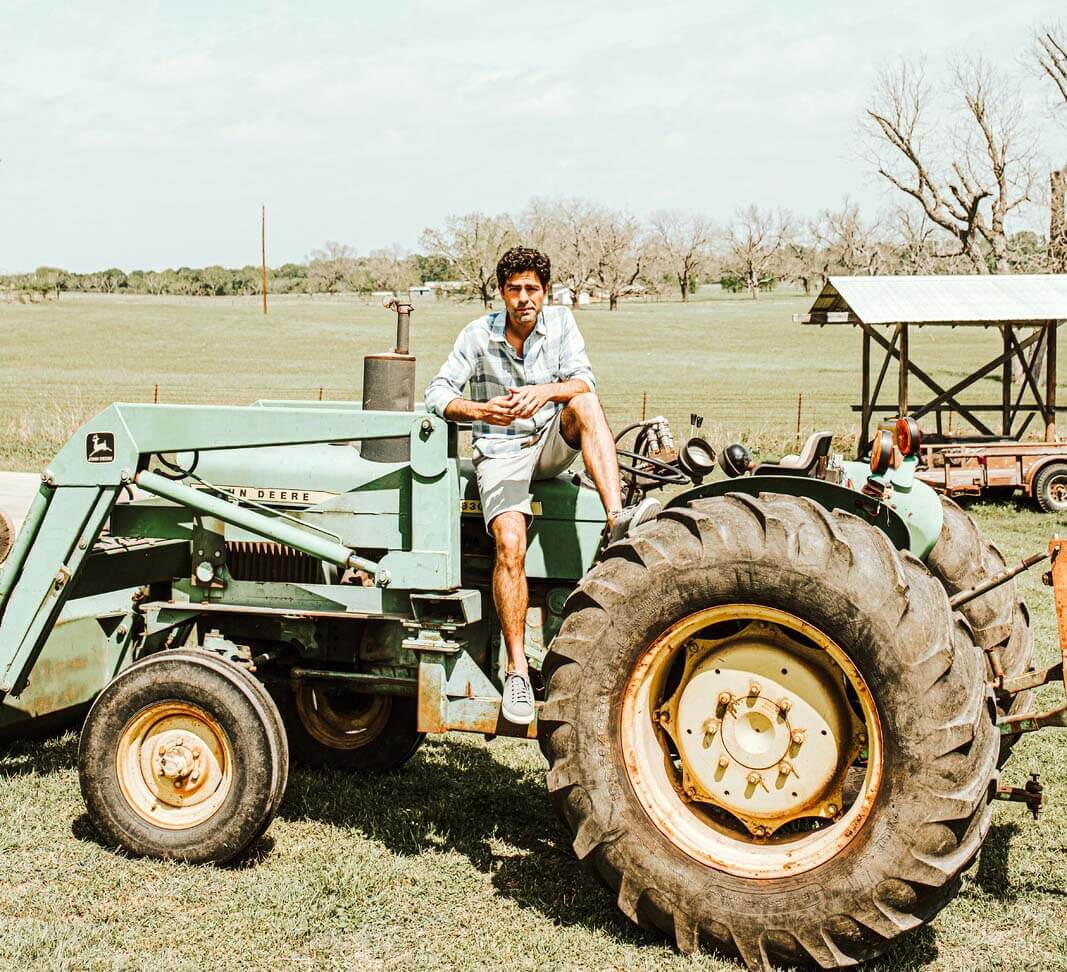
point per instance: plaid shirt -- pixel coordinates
(553, 352)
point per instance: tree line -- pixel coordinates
(960, 176)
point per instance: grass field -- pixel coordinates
(741, 363)
(457, 862)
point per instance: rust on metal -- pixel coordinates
(1056, 577)
(1032, 794)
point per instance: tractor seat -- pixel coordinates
(817, 447)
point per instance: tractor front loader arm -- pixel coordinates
(112, 451)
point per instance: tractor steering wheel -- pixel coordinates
(648, 470)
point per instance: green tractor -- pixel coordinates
(768, 728)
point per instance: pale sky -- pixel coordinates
(146, 135)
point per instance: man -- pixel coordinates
(533, 407)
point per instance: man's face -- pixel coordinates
(524, 297)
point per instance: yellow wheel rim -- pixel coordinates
(339, 719)
(752, 741)
(174, 765)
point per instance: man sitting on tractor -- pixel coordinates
(533, 408)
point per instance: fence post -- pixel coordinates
(644, 405)
(320, 393)
(800, 402)
(155, 394)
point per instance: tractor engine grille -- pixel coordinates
(255, 561)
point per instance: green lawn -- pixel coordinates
(741, 363)
(457, 862)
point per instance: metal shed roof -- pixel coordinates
(981, 300)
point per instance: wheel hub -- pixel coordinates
(174, 764)
(762, 727)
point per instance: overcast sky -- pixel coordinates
(147, 135)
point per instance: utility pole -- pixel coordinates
(263, 251)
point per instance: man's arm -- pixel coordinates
(444, 395)
(575, 372)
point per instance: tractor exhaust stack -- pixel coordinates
(389, 385)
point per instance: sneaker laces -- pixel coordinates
(519, 688)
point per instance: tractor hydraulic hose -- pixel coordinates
(270, 528)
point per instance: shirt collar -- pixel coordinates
(498, 322)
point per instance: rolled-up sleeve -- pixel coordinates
(573, 361)
(449, 382)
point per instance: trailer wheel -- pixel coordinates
(183, 756)
(962, 558)
(333, 728)
(1050, 488)
(768, 733)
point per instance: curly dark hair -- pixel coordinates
(520, 259)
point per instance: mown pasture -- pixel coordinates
(458, 861)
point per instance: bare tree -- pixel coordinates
(566, 230)
(847, 243)
(754, 246)
(1051, 51)
(390, 268)
(912, 237)
(331, 267)
(683, 241)
(619, 253)
(969, 183)
(473, 244)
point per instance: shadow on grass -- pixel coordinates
(456, 797)
(41, 755)
(994, 862)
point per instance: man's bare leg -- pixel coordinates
(510, 593)
(584, 426)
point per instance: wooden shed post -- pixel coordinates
(902, 378)
(1050, 381)
(1005, 382)
(865, 398)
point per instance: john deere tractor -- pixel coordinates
(773, 716)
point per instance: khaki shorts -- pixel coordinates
(504, 481)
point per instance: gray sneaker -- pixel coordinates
(517, 705)
(648, 509)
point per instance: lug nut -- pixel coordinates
(724, 761)
(797, 736)
(196, 754)
(724, 698)
(761, 831)
(832, 809)
(785, 767)
(754, 689)
(785, 705)
(755, 779)
(711, 726)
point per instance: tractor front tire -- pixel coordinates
(183, 756)
(962, 558)
(826, 586)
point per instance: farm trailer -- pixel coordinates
(773, 716)
(983, 459)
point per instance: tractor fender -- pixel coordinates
(829, 495)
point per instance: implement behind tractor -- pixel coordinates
(773, 716)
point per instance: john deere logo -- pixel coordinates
(100, 447)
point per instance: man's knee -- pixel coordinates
(509, 532)
(583, 411)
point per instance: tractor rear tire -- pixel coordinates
(963, 558)
(330, 728)
(921, 824)
(182, 756)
